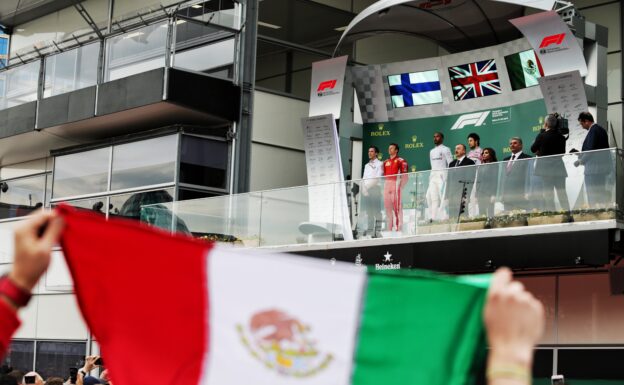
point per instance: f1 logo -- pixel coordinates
(552, 39)
(477, 119)
(326, 84)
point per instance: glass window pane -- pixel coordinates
(55, 358)
(157, 214)
(20, 356)
(144, 163)
(204, 162)
(95, 204)
(81, 173)
(19, 197)
(20, 85)
(136, 51)
(71, 70)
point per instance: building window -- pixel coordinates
(144, 163)
(204, 162)
(54, 358)
(71, 70)
(81, 173)
(19, 197)
(20, 357)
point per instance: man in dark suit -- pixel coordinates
(597, 164)
(548, 144)
(457, 174)
(516, 178)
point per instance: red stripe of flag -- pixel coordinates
(143, 295)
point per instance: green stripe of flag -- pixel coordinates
(409, 336)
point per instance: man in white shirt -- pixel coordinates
(371, 193)
(440, 157)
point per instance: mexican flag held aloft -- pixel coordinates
(524, 68)
(172, 310)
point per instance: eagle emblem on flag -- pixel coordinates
(474, 80)
(283, 343)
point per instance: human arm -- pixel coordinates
(32, 257)
(448, 156)
(514, 321)
(89, 365)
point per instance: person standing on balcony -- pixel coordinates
(487, 183)
(475, 153)
(458, 179)
(516, 177)
(597, 164)
(551, 142)
(371, 191)
(439, 157)
(394, 183)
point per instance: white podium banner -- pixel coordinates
(565, 94)
(555, 45)
(327, 192)
(327, 86)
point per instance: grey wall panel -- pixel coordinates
(130, 92)
(18, 120)
(67, 108)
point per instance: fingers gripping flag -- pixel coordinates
(171, 310)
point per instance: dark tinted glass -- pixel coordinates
(20, 356)
(55, 358)
(184, 194)
(583, 366)
(204, 162)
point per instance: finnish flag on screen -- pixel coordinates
(415, 89)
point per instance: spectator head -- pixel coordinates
(550, 122)
(460, 150)
(373, 151)
(393, 149)
(54, 381)
(438, 138)
(5, 379)
(515, 144)
(90, 380)
(38, 378)
(17, 374)
(473, 140)
(489, 155)
(586, 120)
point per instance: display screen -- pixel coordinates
(524, 68)
(475, 80)
(415, 89)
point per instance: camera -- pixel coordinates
(562, 124)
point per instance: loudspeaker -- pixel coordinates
(616, 280)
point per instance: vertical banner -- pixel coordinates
(556, 46)
(565, 94)
(327, 194)
(327, 86)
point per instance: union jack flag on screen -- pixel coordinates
(474, 80)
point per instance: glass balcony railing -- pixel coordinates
(551, 190)
(204, 43)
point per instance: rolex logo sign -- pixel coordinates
(380, 131)
(415, 144)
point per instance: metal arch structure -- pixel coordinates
(457, 25)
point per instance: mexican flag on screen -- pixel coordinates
(171, 310)
(524, 68)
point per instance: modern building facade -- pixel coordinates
(111, 105)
